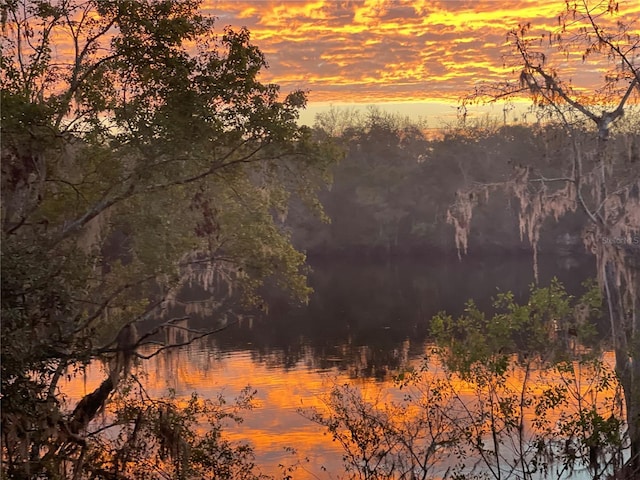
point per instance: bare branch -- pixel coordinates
(188, 342)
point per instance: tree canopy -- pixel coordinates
(139, 149)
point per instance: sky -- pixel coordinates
(416, 58)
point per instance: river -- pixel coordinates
(363, 324)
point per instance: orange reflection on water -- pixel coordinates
(276, 423)
(273, 425)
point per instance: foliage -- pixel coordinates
(551, 325)
(372, 203)
(139, 151)
(143, 437)
(513, 395)
(399, 182)
(537, 399)
(598, 178)
(382, 439)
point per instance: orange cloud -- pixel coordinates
(396, 50)
(376, 51)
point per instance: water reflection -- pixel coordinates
(367, 320)
(363, 324)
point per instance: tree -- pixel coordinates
(386, 438)
(139, 150)
(520, 394)
(391, 192)
(160, 438)
(372, 202)
(603, 184)
(535, 397)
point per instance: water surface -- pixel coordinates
(364, 323)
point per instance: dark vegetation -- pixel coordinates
(134, 163)
(391, 193)
(140, 152)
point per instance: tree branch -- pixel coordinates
(188, 342)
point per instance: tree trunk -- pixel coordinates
(633, 412)
(624, 326)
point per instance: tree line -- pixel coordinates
(391, 192)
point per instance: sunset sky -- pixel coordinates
(413, 57)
